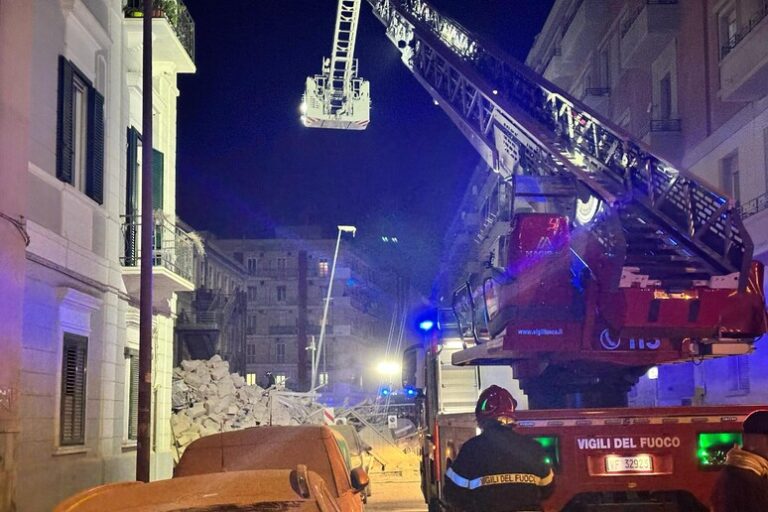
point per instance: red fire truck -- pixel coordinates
(607, 260)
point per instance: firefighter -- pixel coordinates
(498, 470)
(742, 485)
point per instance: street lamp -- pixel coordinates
(316, 353)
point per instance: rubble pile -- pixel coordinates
(207, 399)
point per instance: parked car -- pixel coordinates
(266, 490)
(359, 453)
(280, 447)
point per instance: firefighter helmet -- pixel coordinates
(494, 403)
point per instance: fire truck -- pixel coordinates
(611, 261)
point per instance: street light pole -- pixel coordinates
(147, 226)
(316, 353)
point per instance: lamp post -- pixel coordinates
(316, 353)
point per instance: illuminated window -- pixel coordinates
(280, 379)
(322, 267)
(250, 379)
(323, 378)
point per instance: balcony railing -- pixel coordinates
(597, 91)
(754, 206)
(626, 24)
(172, 247)
(177, 15)
(666, 125)
(754, 21)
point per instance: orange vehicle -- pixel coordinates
(321, 449)
(262, 490)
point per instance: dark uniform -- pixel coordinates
(740, 490)
(499, 471)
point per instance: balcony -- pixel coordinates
(754, 206)
(582, 29)
(173, 30)
(598, 98)
(665, 137)
(646, 30)
(172, 259)
(283, 329)
(744, 64)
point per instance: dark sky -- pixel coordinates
(246, 164)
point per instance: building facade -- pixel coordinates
(212, 318)
(687, 78)
(75, 166)
(286, 286)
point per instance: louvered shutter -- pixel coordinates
(158, 169)
(65, 146)
(133, 396)
(94, 184)
(73, 381)
(131, 199)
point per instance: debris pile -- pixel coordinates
(207, 399)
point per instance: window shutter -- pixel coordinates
(158, 167)
(133, 405)
(94, 185)
(64, 124)
(131, 199)
(73, 378)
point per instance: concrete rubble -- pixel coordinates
(208, 399)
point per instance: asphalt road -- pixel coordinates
(396, 497)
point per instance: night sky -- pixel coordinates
(246, 164)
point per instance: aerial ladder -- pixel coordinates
(611, 248)
(338, 97)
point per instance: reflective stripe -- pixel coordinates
(501, 478)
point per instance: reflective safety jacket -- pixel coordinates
(498, 471)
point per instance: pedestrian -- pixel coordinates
(742, 485)
(270, 379)
(499, 470)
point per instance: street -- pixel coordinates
(396, 496)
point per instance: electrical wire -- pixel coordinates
(20, 226)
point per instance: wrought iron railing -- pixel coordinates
(629, 20)
(754, 206)
(754, 20)
(177, 15)
(665, 125)
(597, 91)
(172, 247)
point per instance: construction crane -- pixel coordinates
(338, 97)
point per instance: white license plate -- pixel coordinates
(635, 464)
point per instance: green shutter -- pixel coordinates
(65, 146)
(158, 166)
(73, 399)
(94, 184)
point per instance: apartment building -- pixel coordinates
(212, 318)
(75, 162)
(286, 286)
(687, 78)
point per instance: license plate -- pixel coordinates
(635, 464)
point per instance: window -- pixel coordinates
(80, 132)
(738, 367)
(281, 293)
(729, 175)
(250, 379)
(250, 354)
(322, 267)
(281, 264)
(252, 266)
(131, 394)
(323, 378)
(251, 324)
(280, 379)
(728, 28)
(73, 377)
(252, 293)
(665, 97)
(279, 351)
